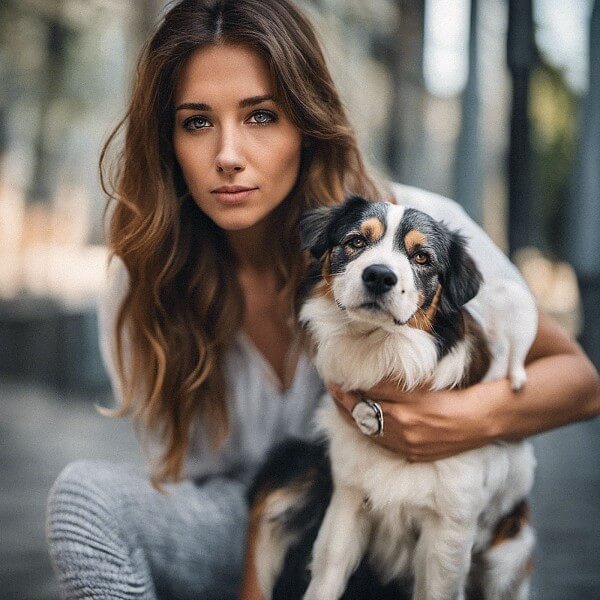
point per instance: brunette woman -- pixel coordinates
(234, 129)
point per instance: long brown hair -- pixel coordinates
(183, 306)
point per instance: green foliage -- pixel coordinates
(553, 113)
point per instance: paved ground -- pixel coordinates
(41, 431)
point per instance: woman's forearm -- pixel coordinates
(560, 389)
(563, 386)
(425, 425)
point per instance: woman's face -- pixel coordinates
(238, 150)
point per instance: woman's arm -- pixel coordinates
(562, 387)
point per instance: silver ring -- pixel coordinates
(369, 417)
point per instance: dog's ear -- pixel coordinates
(314, 226)
(462, 278)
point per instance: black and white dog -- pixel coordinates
(384, 299)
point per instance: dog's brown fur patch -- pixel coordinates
(423, 319)
(373, 229)
(289, 493)
(323, 288)
(413, 239)
(509, 526)
(480, 354)
(326, 268)
(529, 565)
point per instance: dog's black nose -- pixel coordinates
(379, 279)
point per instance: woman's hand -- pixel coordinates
(562, 387)
(423, 425)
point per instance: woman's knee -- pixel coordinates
(82, 487)
(86, 532)
(89, 499)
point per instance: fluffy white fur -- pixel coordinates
(350, 352)
(511, 317)
(424, 519)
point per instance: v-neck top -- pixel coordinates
(260, 412)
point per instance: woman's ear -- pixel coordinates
(462, 279)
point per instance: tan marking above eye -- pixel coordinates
(413, 239)
(373, 229)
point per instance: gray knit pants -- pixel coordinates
(112, 535)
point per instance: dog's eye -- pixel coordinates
(421, 258)
(357, 242)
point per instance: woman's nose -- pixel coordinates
(229, 157)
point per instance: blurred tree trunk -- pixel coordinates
(42, 186)
(4, 93)
(468, 176)
(406, 65)
(523, 229)
(583, 216)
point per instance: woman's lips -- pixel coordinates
(233, 194)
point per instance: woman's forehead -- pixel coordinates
(220, 75)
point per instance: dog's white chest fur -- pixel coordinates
(357, 358)
(480, 485)
(424, 519)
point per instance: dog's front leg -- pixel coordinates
(340, 544)
(442, 560)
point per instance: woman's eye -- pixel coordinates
(356, 242)
(195, 123)
(421, 258)
(262, 117)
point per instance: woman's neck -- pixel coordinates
(252, 247)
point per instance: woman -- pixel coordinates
(234, 129)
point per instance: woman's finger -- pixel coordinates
(390, 391)
(346, 400)
(384, 391)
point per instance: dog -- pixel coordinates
(384, 299)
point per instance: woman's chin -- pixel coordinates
(239, 224)
(240, 216)
(240, 221)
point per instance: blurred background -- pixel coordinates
(495, 103)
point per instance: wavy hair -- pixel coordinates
(183, 305)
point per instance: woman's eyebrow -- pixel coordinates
(253, 100)
(193, 106)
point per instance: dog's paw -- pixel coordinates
(518, 378)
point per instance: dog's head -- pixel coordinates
(387, 266)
